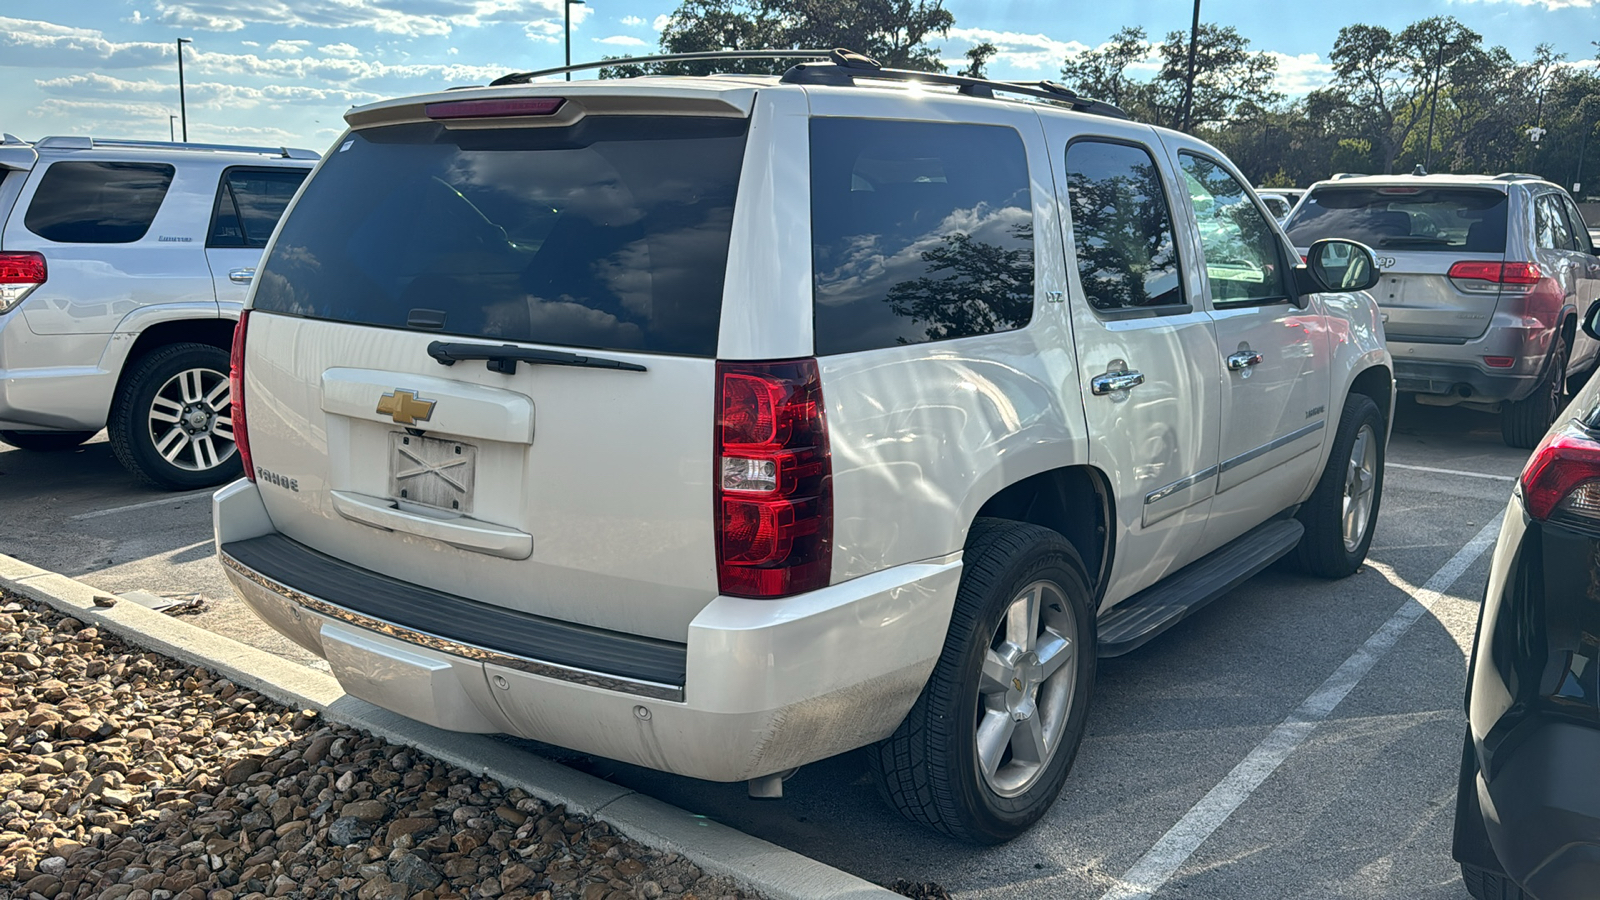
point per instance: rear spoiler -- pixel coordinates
(16, 153)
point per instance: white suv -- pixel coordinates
(724, 424)
(123, 267)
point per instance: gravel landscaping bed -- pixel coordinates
(128, 776)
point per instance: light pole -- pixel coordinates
(172, 134)
(566, 8)
(183, 108)
(1433, 103)
(1188, 84)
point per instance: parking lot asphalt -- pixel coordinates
(1302, 734)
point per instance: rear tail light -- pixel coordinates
(1499, 273)
(1500, 362)
(20, 274)
(241, 437)
(774, 490)
(1563, 476)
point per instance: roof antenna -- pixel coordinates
(1419, 170)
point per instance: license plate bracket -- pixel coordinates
(432, 472)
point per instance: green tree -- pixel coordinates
(1228, 75)
(1102, 73)
(894, 32)
(977, 58)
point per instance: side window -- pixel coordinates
(921, 231)
(1551, 224)
(1244, 262)
(1580, 231)
(249, 203)
(1121, 227)
(97, 202)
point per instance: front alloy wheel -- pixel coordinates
(1360, 487)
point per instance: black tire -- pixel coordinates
(130, 430)
(1484, 884)
(1325, 550)
(45, 441)
(1524, 422)
(929, 769)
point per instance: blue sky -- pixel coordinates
(284, 71)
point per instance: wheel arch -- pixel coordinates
(1057, 499)
(215, 331)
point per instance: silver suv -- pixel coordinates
(1484, 280)
(123, 267)
(724, 424)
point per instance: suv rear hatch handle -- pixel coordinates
(504, 358)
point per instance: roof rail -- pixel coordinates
(1517, 176)
(842, 67)
(73, 142)
(525, 77)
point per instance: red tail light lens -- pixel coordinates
(774, 490)
(1563, 473)
(241, 437)
(1500, 273)
(20, 273)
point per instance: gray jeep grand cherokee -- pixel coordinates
(1484, 280)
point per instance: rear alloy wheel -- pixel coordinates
(987, 747)
(172, 424)
(45, 441)
(1524, 422)
(1340, 515)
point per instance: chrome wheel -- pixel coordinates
(1361, 477)
(1025, 691)
(190, 420)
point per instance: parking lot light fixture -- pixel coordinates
(566, 8)
(183, 109)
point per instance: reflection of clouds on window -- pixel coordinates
(1121, 227)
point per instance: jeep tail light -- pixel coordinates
(1563, 476)
(241, 437)
(774, 480)
(20, 273)
(1499, 273)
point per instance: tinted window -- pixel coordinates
(610, 233)
(1580, 232)
(921, 232)
(1550, 223)
(249, 203)
(1121, 227)
(1243, 260)
(97, 202)
(1404, 218)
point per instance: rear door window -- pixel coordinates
(249, 204)
(609, 233)
(1122, 229)
(921, 231)
(97, 202)
(1453, 220)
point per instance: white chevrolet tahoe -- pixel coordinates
(724, 424)
(123, 267)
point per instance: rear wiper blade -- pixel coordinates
(504, 358)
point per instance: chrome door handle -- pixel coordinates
(242, 276)
(1112, 382)
(1244, 359)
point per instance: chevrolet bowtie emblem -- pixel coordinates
(406, 408)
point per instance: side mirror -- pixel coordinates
(1340, 266)
(1591, 321)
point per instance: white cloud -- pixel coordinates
(1033, 52)
(1300, 75)
(411, 18)
(661, 22)
(292, 48)
(1547, 4)
(249, 43)
(31, 43)
(96, 88)
(622, 40)
(341, 51)
(631, 21)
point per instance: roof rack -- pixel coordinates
(74, 142)
(1517, 176)
(843, 67)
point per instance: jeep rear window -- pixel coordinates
(97, 202)
(921, 231)
(1404, 218)
(611, 233)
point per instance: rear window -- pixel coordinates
(921, 231)
(1404, 218)
(97, 202)
(611, 233)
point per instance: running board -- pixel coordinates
(1135, 621)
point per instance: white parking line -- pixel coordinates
(173, 498)
(1451, 472)
(1157, 866)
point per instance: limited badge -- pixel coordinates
(405, 407)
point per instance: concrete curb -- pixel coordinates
(778, 873)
